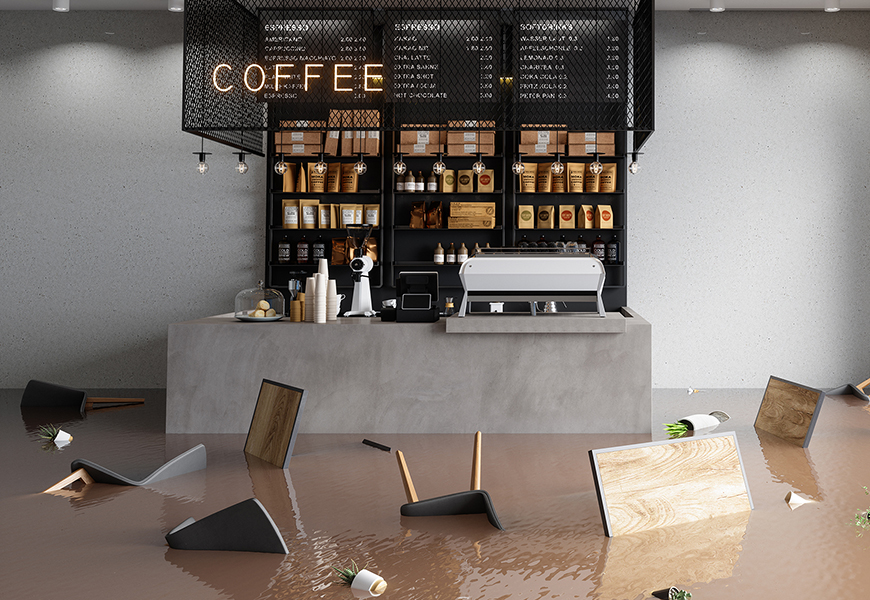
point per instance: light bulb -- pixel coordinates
(518, 168)
(61, 5)
(596, 167)
(280, 167)
(242, 167)
(478, 167)
(439, 167)
(176, 5)
(832, 6)
(633, 167)
(360, 168)
(557, 167)
(202, 167)
(399, 167)
(717, 6)
(320, 167)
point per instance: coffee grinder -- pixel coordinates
(360, 265)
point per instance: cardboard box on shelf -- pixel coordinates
(484, 138)
(544, 137)
(298, 149)
(422, 137)
(578, 138)
(470, 150)
(372, 145)
(539, 149)
(470, 222)
(331, 142)
(471, 124)
(347, 142)
(286, 138)
(359, 141)
(472, 209)
(420, 149)
(590, 149)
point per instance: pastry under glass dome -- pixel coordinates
(259, 304)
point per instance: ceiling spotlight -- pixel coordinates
(717, 5)
(518, 167)
(557, 168)
(595, 166)
(176, 5)
(61, 5)
(633, 167)
(832, 5)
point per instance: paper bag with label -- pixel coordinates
(290, 178)
(585, 218)
(603, 217)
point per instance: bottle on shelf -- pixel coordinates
(612, 251)
(599, 249)
(523, 243)
(318, 249)
(450, 255)
(542, 242)
(462, 254)
(582, 246)
(284, 250)
(476, 250)
(571, 247)
(439, 254)
(410, 183)
(302, 249)
(420, 182)
(432, 183)
(561, 243)
(400, 183)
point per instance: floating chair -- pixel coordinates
(89, 472)
(855, 390)
(474, 501)
(242, 527)
(42, 394)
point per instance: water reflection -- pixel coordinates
(790, 464)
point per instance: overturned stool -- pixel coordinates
(474, 501)
(41, 394)
(242, 527)
(187, 462)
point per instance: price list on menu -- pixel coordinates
(441, 59)
(327, 55)
(571, 60)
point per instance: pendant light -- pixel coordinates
(832, 6)
(280, 166)
(633, 167)
(176, 5)
(478, 167)
(439, 167)
(399, 167)
(518, 167)
(558, 167)
(360, 167)
(202, 167)
(320, 167)
(60, 6)
(595, 166)
(242, 167)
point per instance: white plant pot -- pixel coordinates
(62, 438)
(702, 424)
(368, 583)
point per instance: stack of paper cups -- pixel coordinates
(320, 298)
(323, 267)
(311, 299)
(331, 301)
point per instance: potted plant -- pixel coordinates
(699, 424)
(672, 593)
(361, 580)
(862, 518)
(52, 433)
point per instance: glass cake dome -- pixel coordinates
(259, 304)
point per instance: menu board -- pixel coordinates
(318, 58)
(571, 59)
(441, 57)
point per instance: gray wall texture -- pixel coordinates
(747, 250)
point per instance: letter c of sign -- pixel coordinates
(214, 77)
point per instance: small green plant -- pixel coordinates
(678, 594)
(862, 518)
(48, 432)
(346, 575)
(676, 430)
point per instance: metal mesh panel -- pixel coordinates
(403, 64)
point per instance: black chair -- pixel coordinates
(242, 527)
(474, 501)
(42, 394)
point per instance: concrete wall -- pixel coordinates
(748, 221)
(747, 249)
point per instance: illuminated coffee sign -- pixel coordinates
(306, 76)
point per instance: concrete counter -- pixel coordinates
(523, 374)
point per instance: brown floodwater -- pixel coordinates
(339, 500)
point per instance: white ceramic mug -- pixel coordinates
(339, 298)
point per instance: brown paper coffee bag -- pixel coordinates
(290, 214)
(607, 179)
(558, 185)
(576, 172)
(486, 182)
(566, 216)
(465, 182)
(591, 182)
(372, 215)
(333, 178)
(301, 180)
(316, 181)
(603, 217)
(585, 218)
(545, 178)
(545, 217)
(418, 215)
(349, 179)
(448, 181)
(309, 212)
(290, 178)
(529, 179)
(525, 216)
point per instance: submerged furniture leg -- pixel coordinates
(475, 464)
(410, 492)
(861, 386)
(89, 403)
(74, 476)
